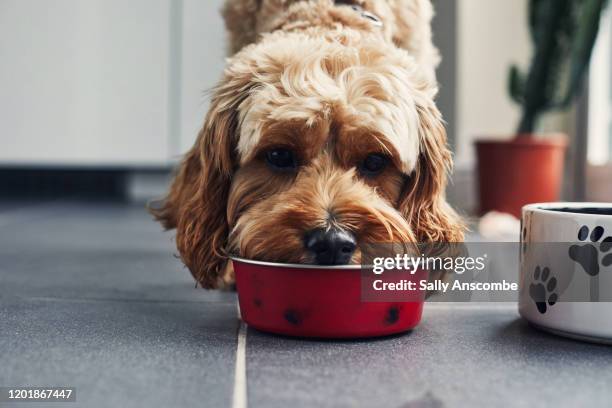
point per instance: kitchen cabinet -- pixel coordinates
(104, 83)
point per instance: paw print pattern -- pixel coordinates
(588, 254)
(542, 290)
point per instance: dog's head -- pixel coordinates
(311, 149)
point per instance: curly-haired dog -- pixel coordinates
(322, 136)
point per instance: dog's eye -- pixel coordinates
(281, 159)
(373, 164)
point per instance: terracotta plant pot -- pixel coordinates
(520, 171)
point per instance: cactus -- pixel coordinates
(563, 33)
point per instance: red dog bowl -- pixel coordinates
(316, 301)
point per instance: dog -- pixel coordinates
(322, 136)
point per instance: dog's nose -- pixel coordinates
(330, 246)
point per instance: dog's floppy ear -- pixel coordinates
(197, 201)
(423, 202)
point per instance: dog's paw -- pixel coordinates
(588, 254)
(542, 290)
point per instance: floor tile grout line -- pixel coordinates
(239, 397)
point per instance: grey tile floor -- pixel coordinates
(91, 296)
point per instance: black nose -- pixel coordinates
(330, 246)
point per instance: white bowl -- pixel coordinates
(562, 258)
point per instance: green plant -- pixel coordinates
(563, 33)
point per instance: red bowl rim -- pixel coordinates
(296, 266)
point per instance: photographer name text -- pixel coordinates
(440, 286)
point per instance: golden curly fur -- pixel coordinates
(317, 79)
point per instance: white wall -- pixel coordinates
(203, 59)
(84, 82)
(105, 82)
(492, 34)
(600, 95)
